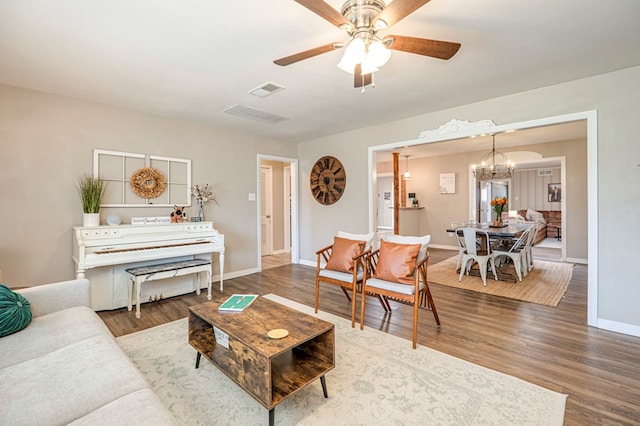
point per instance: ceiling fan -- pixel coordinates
(366, 51)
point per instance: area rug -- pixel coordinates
(378, 379)
(546, 284)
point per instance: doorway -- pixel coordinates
(462, 133)
(487, 191)
(385, 202)
(277, 209)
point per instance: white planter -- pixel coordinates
(91, 219)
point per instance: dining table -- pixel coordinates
(504, 234)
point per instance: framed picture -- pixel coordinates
(555, 193)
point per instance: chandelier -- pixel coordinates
(494, 165)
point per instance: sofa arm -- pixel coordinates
(48, 298)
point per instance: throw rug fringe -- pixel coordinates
(378, 379)
(545, 284)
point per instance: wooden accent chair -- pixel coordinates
(342, 264)
(396, 277)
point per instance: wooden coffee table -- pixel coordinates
(268, 369)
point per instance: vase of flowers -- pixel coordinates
(202, 195)
(91, 191)
(498, 205)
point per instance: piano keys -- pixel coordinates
(102, 253)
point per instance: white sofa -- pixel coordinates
(66, 367)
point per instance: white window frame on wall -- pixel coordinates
(98, 154)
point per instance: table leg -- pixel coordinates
(324, 386)
(198, 357)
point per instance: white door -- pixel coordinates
(266, 209)
(385, 202)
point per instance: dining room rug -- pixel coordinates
(378, 379)
(545, 284)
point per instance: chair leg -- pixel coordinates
(432, 305)
(317, 293)
(483, 272)
(415, 320)
(346, 293)
(353, 306)
(463, 267)
(363, 302)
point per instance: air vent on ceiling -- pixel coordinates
(266, 89)
(545, 172)
(254, 114)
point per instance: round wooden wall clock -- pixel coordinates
(328, 180)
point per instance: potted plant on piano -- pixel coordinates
(91, 191)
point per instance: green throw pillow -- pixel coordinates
(15, 311)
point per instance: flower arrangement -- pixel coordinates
(499, 204)
(203, 195)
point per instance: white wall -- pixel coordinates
(47, 141)
(613, 95)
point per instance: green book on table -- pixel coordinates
(238, 302)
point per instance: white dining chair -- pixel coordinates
(516, 252)
(475, 247)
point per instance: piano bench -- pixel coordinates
(143, 274)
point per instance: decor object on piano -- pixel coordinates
(91, 189)
(113, 219)
(203, 195)
(498, 204)
(178, 214)
(148, 182)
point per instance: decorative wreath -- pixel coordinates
(148, 182)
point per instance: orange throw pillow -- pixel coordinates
(397, 262)
(342, 254)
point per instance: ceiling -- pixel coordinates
(193, 59)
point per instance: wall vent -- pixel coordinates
(545, 172)
(254, 114)
(266, 89)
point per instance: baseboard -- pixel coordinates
(577, 260)
(307, 262)
(443, 247)
(281, 251)
(230, 275)
(619, 327)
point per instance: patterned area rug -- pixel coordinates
(546, 284)
(378, 379)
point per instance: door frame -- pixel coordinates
(457, 129)
(293, 163)
(268, 200)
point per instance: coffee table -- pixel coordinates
(268, 369)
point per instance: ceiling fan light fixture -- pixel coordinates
(354, 53)
(370, 53)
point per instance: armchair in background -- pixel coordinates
(342, 264)
(394, 272)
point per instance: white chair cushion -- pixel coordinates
(402, 239)
(359, 237)
(340, 276)
(391, 286)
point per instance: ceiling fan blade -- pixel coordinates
(325, 11)
(399, 9)
(360, 80)
(422, 46)
(296, 57)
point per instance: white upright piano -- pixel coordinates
(102, 253)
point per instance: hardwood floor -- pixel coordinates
(549, 346)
